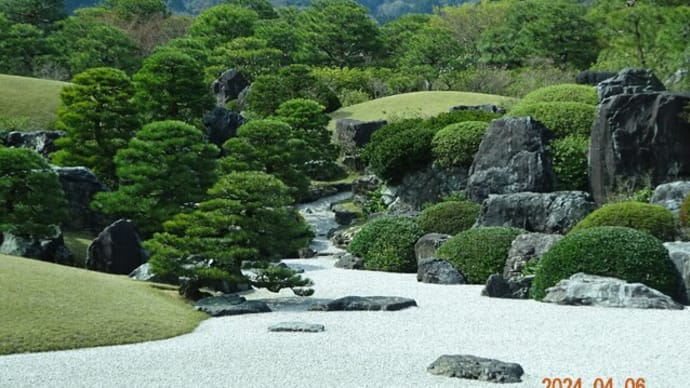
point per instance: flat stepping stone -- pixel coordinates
(218, 306)
(301, 327)
(365, 303)
(476, 368)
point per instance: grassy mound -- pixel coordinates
(45, 307)
(28, 103)
(413, 105)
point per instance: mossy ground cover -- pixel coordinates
(45, 307)
(29, 103)
(412, 105)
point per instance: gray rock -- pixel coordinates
(428, 185)
(671, 195)
(51, 249)
(341, 238)
(143, 273)
(438, 271)
(486, 108)
(679, 252)
(366, 303)
(344, 216)
(221, 124)
(428, 244)
(80, 186)
(554, 212)
(589, 290)
(513, 288)
(527, 248)
(589, 77)
(638, 140)
(301, 327)
(223, 305)
(629, 81)
(228, 86)
(476, 368)
(352, 136)
(117, 249)
(42, 142)
(364, 186)
(349, 261)
(512, 158)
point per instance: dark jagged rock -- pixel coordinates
(299, 327)
(486, 108)
(223, 305)
(428, 244)
(527, 248)
(228, 86)
(589, 77)
(589, 290)
(366, 303)
(476, 368)
(629, 81)
(438, 271)
(42, 142)
(344, 216)
(351, 136)
(349, 261)
(638, 140)
(117, 249)
(671, 195)
(514, 288)
(512, 158)
(555, 212)
(428, 185)
(221, 124)
(80, 186)
(51, 249)
(679, 252)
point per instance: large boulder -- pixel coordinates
(512, 158)
(80, 186)
(352, 136)
(228, 86)
(427, 185)
(629, 81)
(514, 288)
(223, 305)
(438, 271)
(590, 290)
(589, 77)
(679, 252)
(51, 249)
(221, 124)
(42, 142)
(671, 195)
(117, 249)
(555, 212)
(638, 140)
(476, 368)
(527, 248)
(365, 303)
(349, 261)
(428, 244)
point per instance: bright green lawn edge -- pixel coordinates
(46, 306)
(29, 103)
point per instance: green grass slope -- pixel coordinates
(46, 306)
(410, 105)
(28, 103)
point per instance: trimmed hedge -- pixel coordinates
(584, 94)
(562, 118)
(387, 244)
(450, 217)
(569, 161)
(615, 251)
(652, 219)
(456, 144)
(480, 252)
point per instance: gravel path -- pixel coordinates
(383, 349)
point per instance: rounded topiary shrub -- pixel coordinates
(387, 244)
(456, 144)
(562, 118)
(562, 93)
(614, 251)
(569, 161)
(653, 219)
(479, 252)
(450, 217)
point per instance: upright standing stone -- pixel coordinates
(116, 250)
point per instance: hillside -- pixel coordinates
(409, 105)
(46, 306)
(28, 103)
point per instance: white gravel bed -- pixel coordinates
(383, 349)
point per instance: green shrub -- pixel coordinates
(620, 252)
(450, 217)
(387, 244)
(479, 252)
(684, 213)
(569, 160)
(562, 118)
(445, 119)
(653, 219)
(584, 94)
(456, 144)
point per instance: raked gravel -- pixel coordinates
(381, 348)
